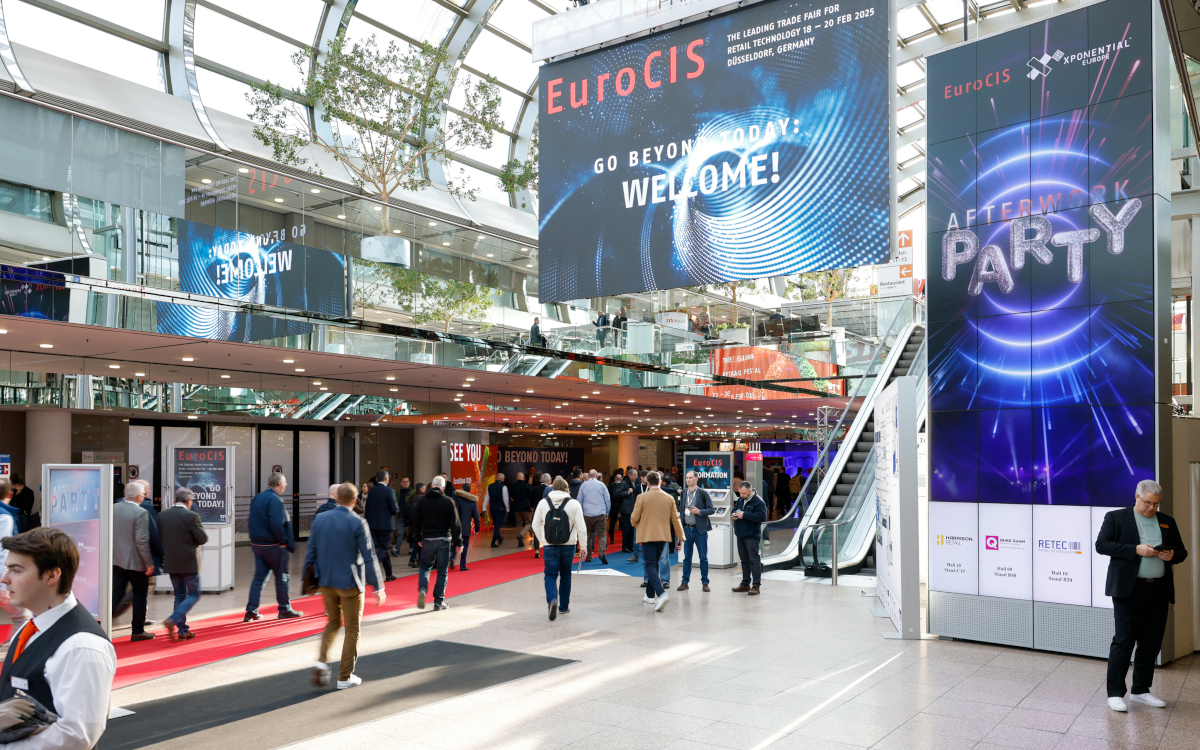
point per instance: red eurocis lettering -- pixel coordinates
(625, 80)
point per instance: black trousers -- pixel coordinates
(627, 532)
(751, 561)
(614, 520)
(140, 582)
(497, 521)
(383, 543)
(1141, 619)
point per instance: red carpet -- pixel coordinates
(226, 636)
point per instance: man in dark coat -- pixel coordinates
(1143, 546)
(182, 535)
(381, 513)
(521, 507)
(468, 515)
(620, 489)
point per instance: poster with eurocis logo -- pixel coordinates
(714, 471)
(754, 143)
(75, 498)
(205, 471)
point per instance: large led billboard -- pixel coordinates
(1043, 249)
(754, 143)
(253, 271)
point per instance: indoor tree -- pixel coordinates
(823, 286)
(387, 111)
(430, 298)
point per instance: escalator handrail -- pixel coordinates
(841, 418)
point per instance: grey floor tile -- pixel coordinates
(703, 708)
(667, 723)
(724, 734)
(965, 709)
(1022, 737)
(936, 725)
(908, 739)
(853, 733)
(1049, 721)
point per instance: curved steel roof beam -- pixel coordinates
(9, 58)
(181, 64)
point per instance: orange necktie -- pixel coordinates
(26, 633)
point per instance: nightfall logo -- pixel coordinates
(991, 265)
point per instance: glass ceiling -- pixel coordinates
(239, 42)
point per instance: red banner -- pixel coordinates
(756, 363)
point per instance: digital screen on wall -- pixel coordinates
(74, 499)
(1041, 248)
(252, 270)
(751, 144)
(34, 293)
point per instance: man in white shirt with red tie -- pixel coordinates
(61, 657)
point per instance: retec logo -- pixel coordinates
(1040, 66)
(992, 542)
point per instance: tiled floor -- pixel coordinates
(801, 666)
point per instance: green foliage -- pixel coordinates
(373, 284)
(386, 110)
(517, 175)
(435, 299)
(826, 285)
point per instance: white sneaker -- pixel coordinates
(662, 602)
(354, 681)
(648, 599)
(1148, 699)
(1117, 704)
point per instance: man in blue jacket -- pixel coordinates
(749, 514)
(344, 560)
(270, 540)
(381, 518)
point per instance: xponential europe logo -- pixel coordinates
(1040, 66)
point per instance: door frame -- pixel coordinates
(295, 469)
(158, 424)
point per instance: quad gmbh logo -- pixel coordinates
(1040, 66)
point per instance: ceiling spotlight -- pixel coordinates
(393, 390)
(530, 390)
(140, 374)
(192, 416)
(491, 255)
(288, 361)
(299, 369)
(390, 377)
(189, 359)
(341, 216)
(516, 400)
(374, 424)
(225, 377)
(529, 265)
(114, 367)
(314, 191)
(243, 170)
(395, 231)
(206, 181)
(324, 388)
(315, 382)
(446, 244)
(584, 396)
(377, 208)
(46, 346)
(524, 249)
(279, 200)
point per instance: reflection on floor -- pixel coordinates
(801, 666)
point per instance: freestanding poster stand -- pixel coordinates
(208, 472)
(714, 472)
(897, 558)
(77, 498)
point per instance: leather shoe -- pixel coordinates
(251, 616)
(706, 588)
(603, 560)
(189, 635)
(682, 587)
(287, 614)
(753, 590)
(389, 579)
(142, 637)
(741, 589)
(170, 625)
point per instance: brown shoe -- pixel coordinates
(706, 588)
(754, 590)
(741, 589)
(682, 587)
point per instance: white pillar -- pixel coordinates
(627, 451)
(427, 453)
(47, 441)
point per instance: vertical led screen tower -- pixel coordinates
(1048, 247)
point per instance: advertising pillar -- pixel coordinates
(896, 526)
(78, 499)
(1048, 249)
(714, 473)
(208, 472)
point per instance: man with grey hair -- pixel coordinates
(1143, 545)
(131, 560)
(596, 504)
(182, 536)
(271, 541)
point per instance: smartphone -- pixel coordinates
(1162, 548)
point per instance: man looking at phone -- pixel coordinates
(1143, 545)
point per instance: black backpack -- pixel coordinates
(558, 523)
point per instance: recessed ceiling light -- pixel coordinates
(114, 367)
(288, 361)
(46, 346)
(584, 396)
(470, 380)
(395, 231)
(315, 382)
(524, 249)
(377, 208)
(279, 200)
(299, 369)
(393, 390)
(324, 388)
(189, 359)
(491, 255)
(517, 400)
(225, 376)
(376, 424)
(192, 416)
(530, 390)
(390, 377)
(433, 223)
(446, 244)
(243, 170)
(341, 216)
(140, 374)
(529, 265)
(314, 191)
(45, 257)
(206, 181)
(631, 401)
(3, 330)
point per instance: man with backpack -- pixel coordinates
(559, 526)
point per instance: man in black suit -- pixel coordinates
(182, 536)
(381, 518)
(1143, 545)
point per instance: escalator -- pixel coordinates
(846, 494)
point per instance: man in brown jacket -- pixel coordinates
(654, 514)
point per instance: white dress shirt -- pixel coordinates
(80, 674)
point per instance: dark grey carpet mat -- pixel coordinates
(268, 712)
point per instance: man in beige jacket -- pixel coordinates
(654, 514)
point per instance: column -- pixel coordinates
(427, 453)
(47, 441)
(627, 450)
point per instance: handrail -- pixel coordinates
(829, 441)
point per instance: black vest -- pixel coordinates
(37, 651)
(495, 498)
